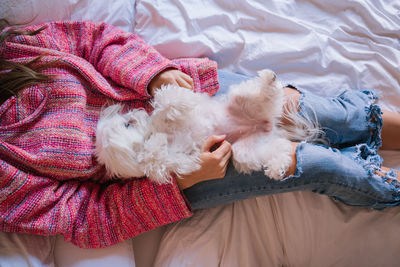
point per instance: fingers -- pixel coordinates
(220, 155)
(213, 163)
(223, 154)
(185, 81)
(211, 141)
(223, 149)
(170, 76)
(227, 155)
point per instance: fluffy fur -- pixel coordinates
(169, 140)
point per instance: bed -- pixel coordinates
(320, 45)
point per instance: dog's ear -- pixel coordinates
(156, 158)
(119, 146)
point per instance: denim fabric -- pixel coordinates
(345, 171)
(226, 79)
(347, 119)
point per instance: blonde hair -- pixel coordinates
(16, 76)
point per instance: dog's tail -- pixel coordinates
(301, 128)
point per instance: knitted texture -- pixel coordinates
(50, 182)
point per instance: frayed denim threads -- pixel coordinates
(347, 175)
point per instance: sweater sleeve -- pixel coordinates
(120, 56)
(88, 214)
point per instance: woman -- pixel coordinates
(51, 184)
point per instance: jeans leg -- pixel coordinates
(235, 186)
(226, 79)
(348, 119)
(348, 176)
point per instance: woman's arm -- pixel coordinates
(120, 56)
(94, 215)
(88, 214)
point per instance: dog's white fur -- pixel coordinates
(169, 140)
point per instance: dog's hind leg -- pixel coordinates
(277, 157)
(259, 98)
(245, 156)
(271, 92)
(271, 154)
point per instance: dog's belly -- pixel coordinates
(236, 128)
(214, 118)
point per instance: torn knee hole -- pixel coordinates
(389, 176)
(373, 122)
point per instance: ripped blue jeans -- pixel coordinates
(344, 170)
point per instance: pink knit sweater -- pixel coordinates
(49, 178)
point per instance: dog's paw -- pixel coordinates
(267, 75)
(270, 86)
(278, 160)
(277, 167)
(277, 172)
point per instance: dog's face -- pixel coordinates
(137, 128)
(120, 141)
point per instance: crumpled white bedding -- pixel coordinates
(296, 229)
(320, 45)
(324, 46)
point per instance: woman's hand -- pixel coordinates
(213, 162)
(170, 76)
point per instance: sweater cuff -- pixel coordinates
(150, 73)
(180, 200)
(203, 72)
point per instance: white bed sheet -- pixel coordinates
(296, 229)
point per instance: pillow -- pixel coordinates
(119, 13)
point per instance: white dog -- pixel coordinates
(169, 140)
